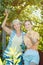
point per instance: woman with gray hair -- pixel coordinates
(16, 38)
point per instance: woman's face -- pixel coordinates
(28, 25)
(17, 26)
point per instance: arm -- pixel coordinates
(37, 37)
(4, 27)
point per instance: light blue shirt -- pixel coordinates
(10, 43)
(31, 56)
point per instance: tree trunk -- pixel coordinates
(3, 40)
(41, 57)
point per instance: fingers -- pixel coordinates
(6, 12)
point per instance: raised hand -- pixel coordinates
(6, 12)
(5, 28)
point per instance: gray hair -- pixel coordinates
(15, 21)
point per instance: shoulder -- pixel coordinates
(36, 34)
(13, 32)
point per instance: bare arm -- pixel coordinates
(4, 27)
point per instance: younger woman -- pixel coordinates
(31, 40)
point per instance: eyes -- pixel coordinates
(27, 23)
(17, 24)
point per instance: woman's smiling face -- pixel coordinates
(28, 25)
(17, 26)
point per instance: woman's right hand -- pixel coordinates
(6, 12)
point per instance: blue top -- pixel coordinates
(31, 56)
(10, 43)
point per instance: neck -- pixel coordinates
(18, 32)
(29, 30)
